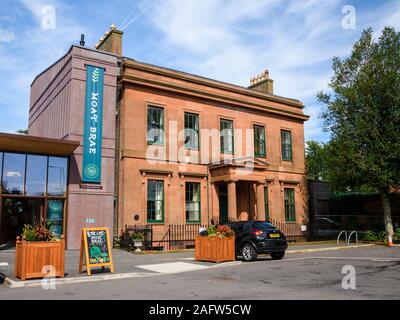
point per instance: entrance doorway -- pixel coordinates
(17, 212)
(223, 203)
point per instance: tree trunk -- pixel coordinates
(387, 214)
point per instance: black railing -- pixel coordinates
(291, 230)
(178, 237)
(126, 241)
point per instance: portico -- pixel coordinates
(240, 188)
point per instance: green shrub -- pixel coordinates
(396, 235)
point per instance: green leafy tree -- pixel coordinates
(363, 116)
(315, 161)
(22, 131)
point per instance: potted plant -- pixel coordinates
(217, 244)
(36, 249)
(138, 239)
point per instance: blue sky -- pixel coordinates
(228, 40)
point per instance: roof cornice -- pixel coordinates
(208, 82)
(169, 86)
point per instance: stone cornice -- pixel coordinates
(220, 97)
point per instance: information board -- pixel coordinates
(96, 247)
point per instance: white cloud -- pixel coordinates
(6, 35)
(36, 49)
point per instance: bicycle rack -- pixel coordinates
(348, 239)
(345, 236)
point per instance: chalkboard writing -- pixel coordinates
(96, 248)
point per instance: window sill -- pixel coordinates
(193, 222)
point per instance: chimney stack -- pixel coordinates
(262, 83)
(111, 41)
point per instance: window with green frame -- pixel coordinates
(266, 203)
(226, 136)
(290, 208)
(155, 125)
(259, 141)
(286, 140)
(155, 201)
(191, 131)
(192, 198)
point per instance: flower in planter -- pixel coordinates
(138, 236)
(41, 232)
(220, 231)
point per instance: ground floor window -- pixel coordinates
(290, 211)
(18, 211)
(192, 198)
(266, 203)
(155, 201)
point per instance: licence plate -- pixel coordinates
(274, 235)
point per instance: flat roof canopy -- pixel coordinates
(40, 145)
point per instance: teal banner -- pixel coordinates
(91, 172)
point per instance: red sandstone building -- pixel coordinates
(175, 148)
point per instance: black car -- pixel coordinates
(258, 237)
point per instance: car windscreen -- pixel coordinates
(263, 225)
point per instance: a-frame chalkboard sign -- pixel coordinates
(96, 247)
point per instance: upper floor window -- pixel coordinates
(155, 125)
(191, 131)
(286, 140)
(226, 136)
(192, 198)
(259, 141)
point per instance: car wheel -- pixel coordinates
(249, 253)
(277, 255)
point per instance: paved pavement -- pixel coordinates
(128, 262)
(316, 275)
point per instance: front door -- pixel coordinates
(223, 203)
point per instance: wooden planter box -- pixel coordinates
(214, 249)
(31, 257)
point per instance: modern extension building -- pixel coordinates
(128, 143)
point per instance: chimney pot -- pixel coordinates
(82, 42)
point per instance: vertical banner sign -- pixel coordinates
(93, 125)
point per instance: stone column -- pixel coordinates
(260, 201)
(232, 210)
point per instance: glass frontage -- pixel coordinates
(55, 210)
(286, 139)
(290, 208)
(259, 141)
(155, 125)
(33, 191)
(13, 173)
(192, 199)
(57, 181)
(191, 131)
(226, 136)
(36, 173)
(155, 201)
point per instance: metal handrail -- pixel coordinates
(348, 239)
(345, 236)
